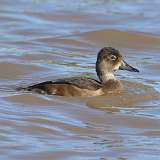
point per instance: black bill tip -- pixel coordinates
(134, 70)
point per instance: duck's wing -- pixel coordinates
(80, 82)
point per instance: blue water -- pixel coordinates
(43, 40)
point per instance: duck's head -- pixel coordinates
(109, 60)
(112, 60)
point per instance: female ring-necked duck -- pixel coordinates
(108, 60)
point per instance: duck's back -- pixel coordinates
(81, 82)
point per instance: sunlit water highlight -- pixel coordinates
(52, 39)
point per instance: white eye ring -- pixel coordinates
(113, 57)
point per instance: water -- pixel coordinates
(46, 40)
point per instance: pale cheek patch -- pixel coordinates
(117, 66)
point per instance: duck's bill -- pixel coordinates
(127, 67)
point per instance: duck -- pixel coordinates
(108, 61)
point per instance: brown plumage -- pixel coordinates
(108, 60)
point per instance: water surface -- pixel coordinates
(46, 40)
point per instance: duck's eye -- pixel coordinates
(113, 57)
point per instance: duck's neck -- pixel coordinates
(106, 76)
(104, 72)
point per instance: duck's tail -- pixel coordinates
(33, 88)
(22, 89)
